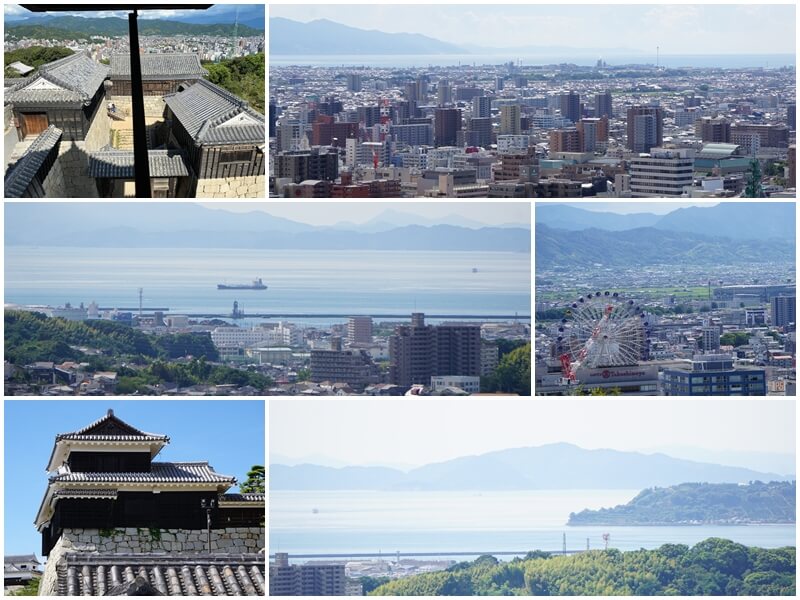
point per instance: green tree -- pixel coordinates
(30, 589)
(255, 482)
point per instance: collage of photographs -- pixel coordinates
(292, 356)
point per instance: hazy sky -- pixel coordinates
(416, 432)
(676, 28)
(330, 213)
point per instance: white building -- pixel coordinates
(512, 143)
(661, 173)
(468, 383)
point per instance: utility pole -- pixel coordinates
(564, 544)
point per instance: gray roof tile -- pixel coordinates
(159, 66)
(110, 418)
(250, 497)
(118, 164)
(204, 108)
(160, 472)
(173, 574)
(78, 75)
(24, 170)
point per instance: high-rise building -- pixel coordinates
(592, 132)
(791, 165)
(603, 106)
(662, 173)
(717, 130)
(447, 121)
(565, 140)
(414, 135)
(479, 130)
(481, 107)
(308, 164)
(351, 366)
(354, 82)
(510, 119)
(412, 91)
(783, 310)
(359, 330)
(310, 579)
(273, 114)
(290, 134)
(326, 132)
(418, 351)
(711, 337)
(498, 84)
(791, 116)
(517, 166)
(369, 115)
(571, 106)
(645, 127)
(444, 93)
(422, 89)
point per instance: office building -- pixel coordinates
(645, 128)
(512, 143)
(661, 173)
(791, 116)
(713, 375)
(479, 132)
(571, 106)
(565, 140)
(481, 107)
(326, 132)
(419, 351)
(769, 136)
(510, 120)
(359, 330)
(290, 134)
(591, 132)
(791, 166)
(444, 93)
(498, 84)
(310, 579)
(783, 310)
(711, 337)
(517, 166)
(414, 135)
(369, 115)
(273, 115)
(447, 122)
(716, 130)
(354, 83)
(309, 164)
(603, 106)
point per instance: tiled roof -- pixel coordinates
(159, 66)
(24, 170)
(160, 472)
(20, 558)
(174, 574)
(118, 164)
(204, 110)
(78, 75)
(108, 418)
(99, 493)
(251, 497)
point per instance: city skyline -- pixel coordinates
(474, 427)
(713, 29)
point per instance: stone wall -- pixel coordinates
(232, 187)
(74, 160)
(231, 540)
(54, 184)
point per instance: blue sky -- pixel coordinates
(677, 28)
(229, 434)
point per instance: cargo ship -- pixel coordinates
(256, 285)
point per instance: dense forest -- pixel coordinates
(243, 76)
(712, 567)
(139, 359)
(700, 503)
(35, 56)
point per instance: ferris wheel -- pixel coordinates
(601, 330)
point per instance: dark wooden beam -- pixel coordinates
(140, 160)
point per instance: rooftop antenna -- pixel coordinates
(606, 536)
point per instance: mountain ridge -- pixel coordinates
(551, 466)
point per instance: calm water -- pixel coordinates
(358, 521)
(727, 61)
(349, 282)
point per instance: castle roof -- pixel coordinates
(118, 164)
(173, 574)
(173, 65)
(21, 174)
(212, 115)
(73, 80)
(160, 472)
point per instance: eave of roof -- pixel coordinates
(119, 164)
(24, 170)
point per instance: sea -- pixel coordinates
(726, 61)
(342, 522)
(298, 281)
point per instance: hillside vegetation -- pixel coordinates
(712, 567)
(700, 503)
(71, 28)
(243, 76)
(35, 56)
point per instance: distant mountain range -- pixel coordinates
(168, 225)
(326, 37)
(69, 27)
(651, 246)
(553, 466)
(737, 220)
